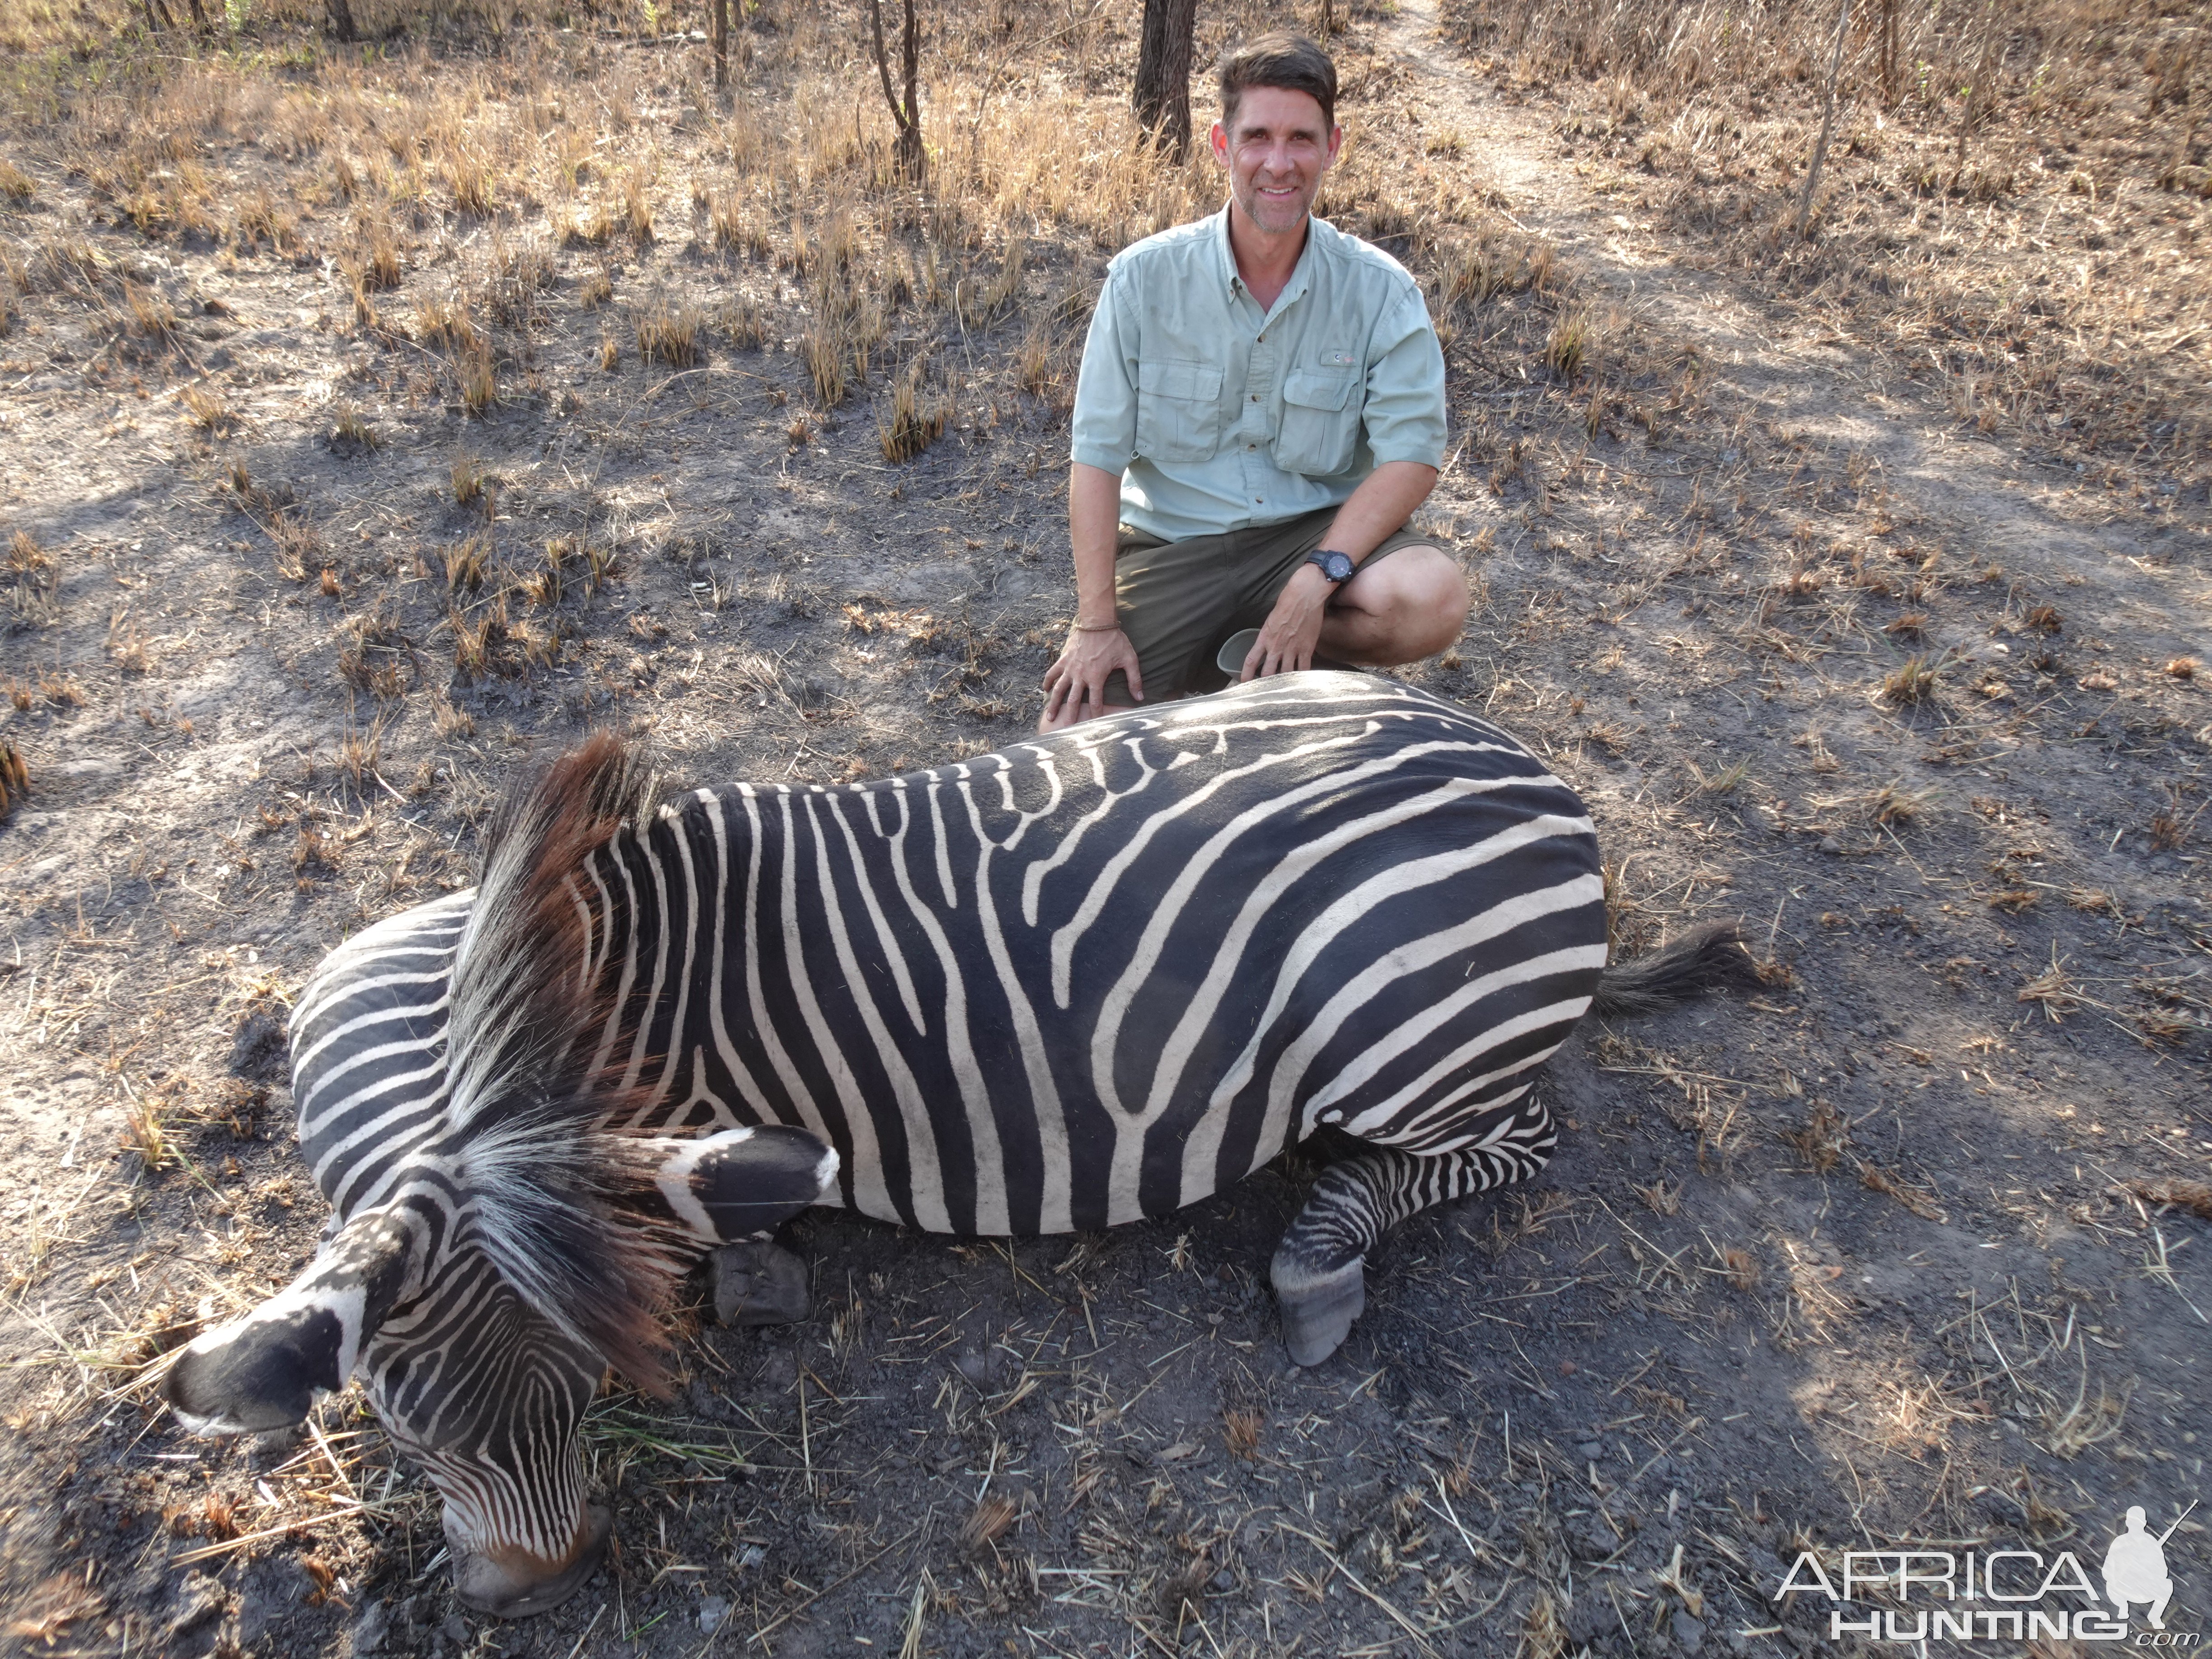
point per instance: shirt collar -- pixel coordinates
(1301, 273)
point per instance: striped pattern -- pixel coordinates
(1101, 976)
(1087, 979)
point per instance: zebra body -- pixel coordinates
(1091, 978)
(1080, 982)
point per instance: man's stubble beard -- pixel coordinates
(1276, 215)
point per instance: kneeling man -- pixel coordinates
(1260, 409)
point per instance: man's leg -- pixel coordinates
(1407, 600)
(1173, 597)
(1396, 609)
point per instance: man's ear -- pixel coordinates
(723, 1187)
(1335, 143)
(263, 1370)
(1219, 140)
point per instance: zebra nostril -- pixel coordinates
(516, 1585)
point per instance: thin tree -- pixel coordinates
(717, 17)
(907, 115)
(1827, 126)
(1162, 95)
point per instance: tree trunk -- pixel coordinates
(1162, 95)
(912, 159)
(718, 11)
(341, 20)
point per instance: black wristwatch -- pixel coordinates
(1337, 567)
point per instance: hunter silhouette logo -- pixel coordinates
(2135, 1568)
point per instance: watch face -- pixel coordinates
(1337, 567)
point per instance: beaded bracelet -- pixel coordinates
(1097, 628)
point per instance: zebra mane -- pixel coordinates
(543, 1177)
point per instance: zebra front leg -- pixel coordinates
(1319, 1266)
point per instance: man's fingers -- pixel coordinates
(1128, 672)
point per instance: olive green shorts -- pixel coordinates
(1179, 602)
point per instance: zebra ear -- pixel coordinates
(265, 1370)
(720, 1188)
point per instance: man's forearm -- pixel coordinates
(1386, 498)
(1094, 517)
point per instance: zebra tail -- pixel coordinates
(542, 1180)
(1706, 959)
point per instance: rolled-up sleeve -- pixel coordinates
(1404, 406)
(1103, 429)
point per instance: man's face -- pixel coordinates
(1276, 153)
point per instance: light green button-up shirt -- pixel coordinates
(1218, 415)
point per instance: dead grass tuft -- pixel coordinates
(992, 1519)
(15, 774)
(208, 410)
(1912, 684)
(669, 336)
(1820, 1140)
(2054, 988)
(916, 417)
(1240, 1430)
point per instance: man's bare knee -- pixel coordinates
(1408, 606)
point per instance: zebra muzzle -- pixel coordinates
(514, 1583)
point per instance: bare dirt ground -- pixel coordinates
(1908, 1250)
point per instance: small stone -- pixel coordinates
(276, 1445)
(455, 1630)
(372, 1625)
(779, 1370)
(1223, 1581)
(1590, 1450)
(712, 1612)
(1830, 844)
(759, 1285)
(1592, 1537)
(751, 1557)
(975, 1365)
(1689, 1634)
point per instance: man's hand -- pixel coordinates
(1075, 686)
(1292, 630)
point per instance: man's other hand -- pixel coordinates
(1075, 686)
(1292, 630)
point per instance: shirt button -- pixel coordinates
(1255, 397)
(1263, 339)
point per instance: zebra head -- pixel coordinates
(525, 1241)
(481, 1382)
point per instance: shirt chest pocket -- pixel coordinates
(1178, 409)
(1320, 423)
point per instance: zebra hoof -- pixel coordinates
(759, 1285)
(1318, 1308)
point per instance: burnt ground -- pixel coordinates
(1908, 1248)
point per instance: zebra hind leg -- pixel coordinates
(1319, 1269)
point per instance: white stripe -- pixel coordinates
(869, 1192)
(922, 1151)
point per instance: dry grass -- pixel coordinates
(670, 335)
(209, 412)
(1993, 172)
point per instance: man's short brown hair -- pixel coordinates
(1280, 59)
